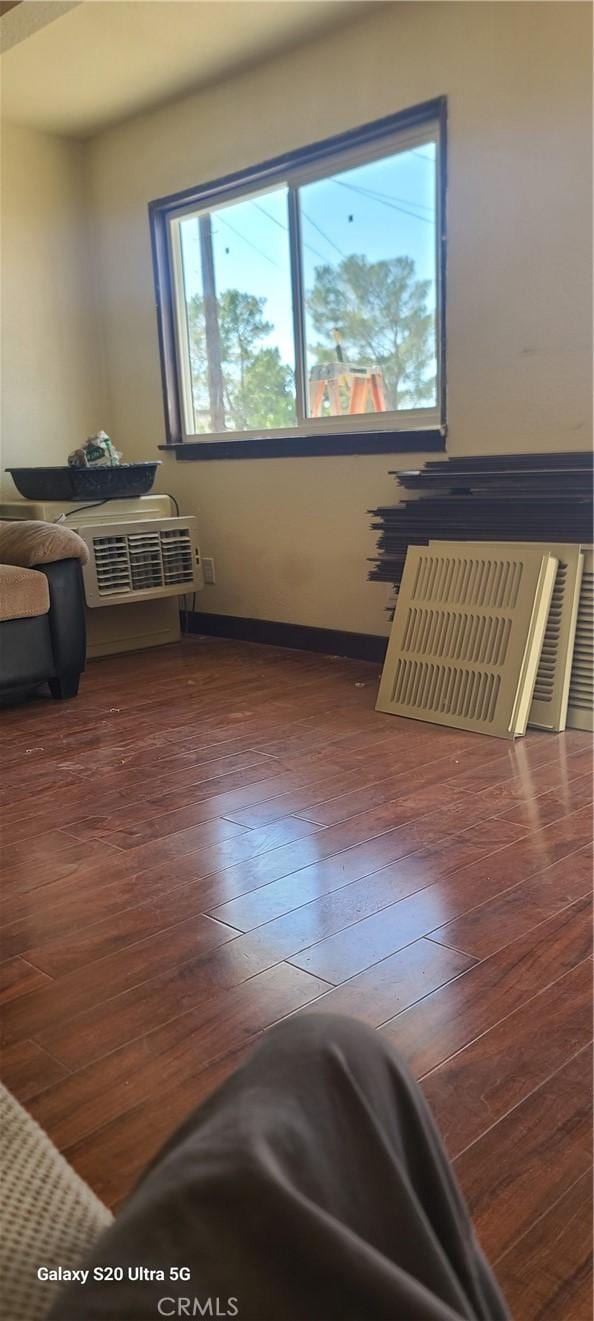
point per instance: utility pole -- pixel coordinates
(211, 325)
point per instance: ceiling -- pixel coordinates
(76, 68)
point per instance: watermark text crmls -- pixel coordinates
(205, 1307)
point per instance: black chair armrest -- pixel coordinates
(66, 614)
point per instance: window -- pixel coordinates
(301, 303)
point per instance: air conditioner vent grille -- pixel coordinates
(144, 549)
(112, 565)
(176, 550)
(140, 560)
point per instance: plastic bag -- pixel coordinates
(97, 452)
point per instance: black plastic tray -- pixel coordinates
(122, 482)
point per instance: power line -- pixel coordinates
(249, 242)
(281, 226)
(403, 201)
(268, 215)
(376, 197)
(286, 229)
(365, 192)
(324, 236)
(383, 199)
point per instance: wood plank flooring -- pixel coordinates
(214, 836)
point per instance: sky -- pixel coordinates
(393, 217)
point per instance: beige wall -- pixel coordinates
(290, 537)
(50, 368)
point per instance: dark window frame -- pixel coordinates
(380, 440)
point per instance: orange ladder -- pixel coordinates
(364, 385)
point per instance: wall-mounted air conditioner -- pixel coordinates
(140, 560)
(152, 617)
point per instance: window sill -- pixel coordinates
(430, 440)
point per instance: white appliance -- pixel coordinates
(141, 557)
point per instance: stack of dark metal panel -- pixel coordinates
(500, 497)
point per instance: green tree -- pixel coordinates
(258, 386)
(268, 395)
(198, 362)
(380, 309)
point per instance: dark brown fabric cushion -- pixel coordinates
(31, 542)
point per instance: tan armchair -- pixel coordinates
(42, 620)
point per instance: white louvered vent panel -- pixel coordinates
(544, 688)
(551, 690)
(477, 638)
(581, 688)
(446, 689)
(112, 565)
(467, 635)
(140, 560)
(176, 550)
(468, 581)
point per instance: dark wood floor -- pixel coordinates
(213, 836)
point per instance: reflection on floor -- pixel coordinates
(216, 835)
